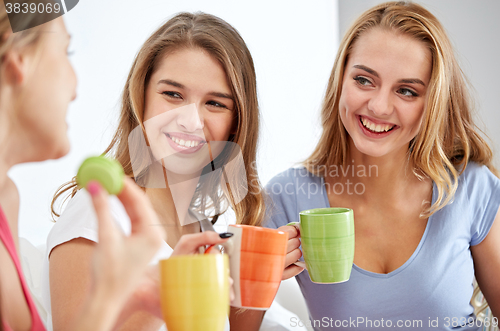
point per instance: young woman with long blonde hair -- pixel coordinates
(397, 121)
(197, 67)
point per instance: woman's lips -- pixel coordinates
(184, 143)
(375, 130)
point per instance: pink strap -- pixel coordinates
(8, 241)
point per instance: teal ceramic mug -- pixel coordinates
(327, 236)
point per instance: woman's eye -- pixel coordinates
(172, 94)
(407, 92)
(216, 104)
(362, 80)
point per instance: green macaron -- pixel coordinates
(108, 172)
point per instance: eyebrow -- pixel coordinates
(411, 81)
(221, 95)
(374, 73)
(368, 70)
(179, 85)
(170, 82)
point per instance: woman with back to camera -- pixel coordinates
(426, 217)
(37, 83)
(192, 84)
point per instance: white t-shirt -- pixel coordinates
(79, 221)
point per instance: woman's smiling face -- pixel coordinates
(188, 103)
(384, 91)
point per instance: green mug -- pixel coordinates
(327, 236)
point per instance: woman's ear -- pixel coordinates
(14, 67)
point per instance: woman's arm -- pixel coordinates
(247, 320)
(486, 257)
(100, 313)
(73, 296)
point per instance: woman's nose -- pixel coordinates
(190, 119)
(381, 103)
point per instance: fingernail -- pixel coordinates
(94, 188)
(226, 235)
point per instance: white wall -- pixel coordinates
(473, 27)
(293, 44)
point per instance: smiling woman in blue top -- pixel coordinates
(400, 148)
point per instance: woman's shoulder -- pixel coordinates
(79, 202)
(78, 220)
(478, 185)
(293, 186)
(478, 174)
(294, 175)
(480, 189)
(80, 208)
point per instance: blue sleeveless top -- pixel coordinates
(430, 291)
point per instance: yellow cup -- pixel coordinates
(195, 292)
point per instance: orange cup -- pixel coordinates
(256, 261)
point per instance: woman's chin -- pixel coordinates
(58, 151)
(46, 154)
(61, 152)
(371, 149)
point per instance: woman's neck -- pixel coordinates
(394, 167)
(14, 149)
(377, 179)
(4, 168)
(171, 199)
(7, 153)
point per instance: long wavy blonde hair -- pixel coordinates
(223, 42)
(29, 38)
(24, 38)
(448, 138)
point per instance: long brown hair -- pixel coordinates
(448, 138)
(223, 42)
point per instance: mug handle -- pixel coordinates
(209, 248)
(296, 225)
(301, 264)
(228, 247)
